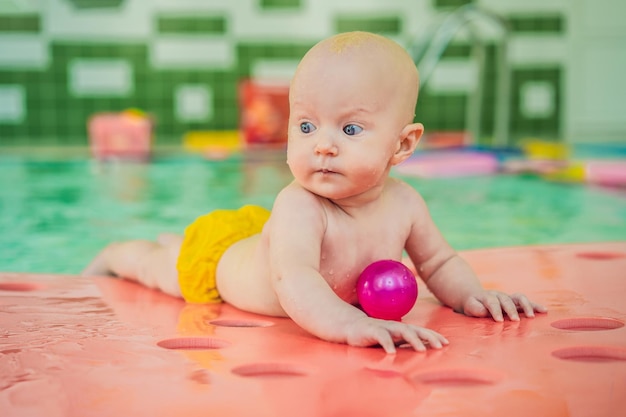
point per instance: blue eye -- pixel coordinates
(352, 130)
(307, 127)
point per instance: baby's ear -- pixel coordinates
(409, 138)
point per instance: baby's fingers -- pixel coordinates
(419, 337)
(409, 336)
(493, 303)
(384, 339)
(434, 339)
(509, 306)
(524, 304)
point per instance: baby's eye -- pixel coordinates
(352, 130)
(307, 127)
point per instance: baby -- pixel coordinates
(352, 104)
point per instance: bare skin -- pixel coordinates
(352, 103)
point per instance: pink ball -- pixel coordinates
(387, 290)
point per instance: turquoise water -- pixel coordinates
(56, 214)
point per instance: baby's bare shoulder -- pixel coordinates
(295, 197)
(295, 205)
(404, 195)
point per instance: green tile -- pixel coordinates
(447, 112)
(280, 4)
(456, 50)
(387, 25)
(441, 112)
(96, 4)
(192, 25)
(155, 94)
(524, 126)
(248, 54)
(63, 52)
(537, 24)
(20, 23)
(71, 125)
(445, 4)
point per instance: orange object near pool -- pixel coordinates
(264, 114)
(100, 347)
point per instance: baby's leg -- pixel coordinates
(152, 264)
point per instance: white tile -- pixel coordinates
(12, 104)
(100, 77)
(530, 7)
(20, 6)
(453, 76)
(537, 99)
(23, 51)
(133, 20)
(194, 6)
(274, 69)
(526, 50)
(183, 51)
(194, 103)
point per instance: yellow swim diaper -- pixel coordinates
(206, 240)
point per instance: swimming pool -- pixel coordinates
(58, 212)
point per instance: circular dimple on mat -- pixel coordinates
(601, 256)
(19, 286)
(591, 354)
(588, 323)
(241, 323)
(458, 377)
(193, 343)
(268, 370)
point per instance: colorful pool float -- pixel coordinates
(449, 163)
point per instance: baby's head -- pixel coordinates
(368, 63)
(352, 103)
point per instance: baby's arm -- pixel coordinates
(452, 280)
(296, 232)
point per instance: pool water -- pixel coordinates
(57, 213)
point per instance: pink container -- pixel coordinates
(125, 135)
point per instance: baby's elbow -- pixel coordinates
(434, 268)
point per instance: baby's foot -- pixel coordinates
(99, 266)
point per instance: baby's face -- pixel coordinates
(347, 113)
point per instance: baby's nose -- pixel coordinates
(325, 146)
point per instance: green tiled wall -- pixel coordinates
(28, 23)
(451, 3)
(271, 4)
(534, 24)
(96, 4)
(168, 24)
(387, 25)
(536, 126)
(55, 114)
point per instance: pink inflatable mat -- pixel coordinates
(106, 347)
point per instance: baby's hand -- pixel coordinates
(494, 303)
(369, 331)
